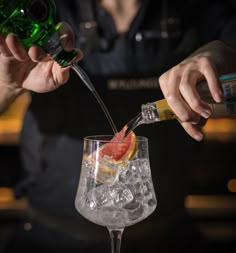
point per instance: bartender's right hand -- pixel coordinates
(33, 69)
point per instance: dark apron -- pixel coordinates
(56, 123)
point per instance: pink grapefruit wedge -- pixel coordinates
(120, 148)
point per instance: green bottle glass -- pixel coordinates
(32, 21)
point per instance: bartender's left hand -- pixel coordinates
(179, 88)
(33, 69)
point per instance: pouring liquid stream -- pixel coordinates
(133, 123)
(84, 77)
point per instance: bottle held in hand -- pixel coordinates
(160, 110)
(32, 21)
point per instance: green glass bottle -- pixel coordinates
(32, 21)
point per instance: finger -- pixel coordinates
(67, 38)
(170, 87)
(67, 35)
(17, 50)
(189, 92)
(3, 47)
(36, 54)
(213, 82)
(80, 55)
(195, 131)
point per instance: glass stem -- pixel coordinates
(116, 236)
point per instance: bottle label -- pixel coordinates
(229, 90)
(164, 111)
(228, 107)
(228, 84)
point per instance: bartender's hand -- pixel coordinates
(32, 69)
(179, 85)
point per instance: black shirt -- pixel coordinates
(124, 71)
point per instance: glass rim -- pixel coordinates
(108, 137)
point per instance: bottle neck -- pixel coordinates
(149, 113)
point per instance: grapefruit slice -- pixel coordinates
(120, 148)
(114, 154)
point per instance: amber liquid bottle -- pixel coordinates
(160, 110)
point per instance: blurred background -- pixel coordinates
(211, 202)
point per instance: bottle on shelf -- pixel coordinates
(160, 110)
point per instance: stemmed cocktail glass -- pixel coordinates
(115, 191)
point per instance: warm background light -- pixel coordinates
(6, 194)
(11, 120)
(232, 185)
(8, 201)
(220, 129)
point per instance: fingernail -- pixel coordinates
(206, 114)
(218, 97)
(198, 137)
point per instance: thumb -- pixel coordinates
(67, 36)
